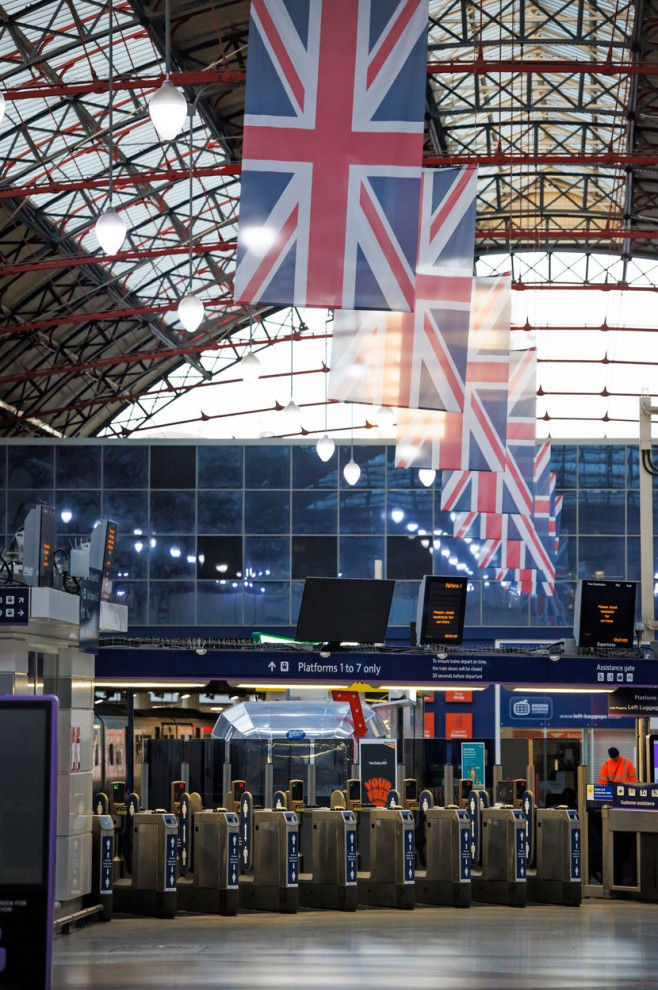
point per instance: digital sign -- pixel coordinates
(441, 609)
(605, 613)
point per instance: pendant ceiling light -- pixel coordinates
(291, 413)
(352, 471)
(190, 308)
(168, 106)
(250, 365)
(427, 476)
(110, 228)
(325, 446)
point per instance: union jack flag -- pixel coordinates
(332, 151)
(520, 546)
(526, 580)
(418, 360)
(474, 440)
(519, 487)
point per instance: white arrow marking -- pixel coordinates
(272, 665)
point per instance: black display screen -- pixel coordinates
(23, 808)
(441, 610)
(344, 610)
(605, 613)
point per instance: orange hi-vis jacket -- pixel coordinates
(619, 771)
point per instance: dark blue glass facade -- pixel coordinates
(220, 536)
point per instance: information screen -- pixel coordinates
(441, 609)
(344, 610)
(23, 810)
(605, 613)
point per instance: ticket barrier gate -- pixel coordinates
(498, 853)
(151, 887)
(446, 878)
(386, 855)
(327, 851)
(269, 854)
(208, 858)
(557, 877)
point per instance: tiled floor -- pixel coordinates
(603, 945)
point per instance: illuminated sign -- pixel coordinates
(441, 609)
(605, 613)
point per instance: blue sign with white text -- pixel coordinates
(14, 606)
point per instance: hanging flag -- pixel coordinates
(520, 546)
(474, 440)
(519, 486)
(526, 581)
(332, 149)
(418, 360)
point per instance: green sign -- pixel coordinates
(473, 762)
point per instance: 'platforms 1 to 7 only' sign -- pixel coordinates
(386, 666)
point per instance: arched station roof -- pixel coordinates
(556, 101)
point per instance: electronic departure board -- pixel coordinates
(441, 609)
(604, 613)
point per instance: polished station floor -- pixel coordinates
(603, 945)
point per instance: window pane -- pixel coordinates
(131, 555)
(267, 603)
(171, 603)
(409, 512)
(128, 509)
(219, 604)
(308, 471)
(267, 466)
(564, 461)
(172, 512)
(601, 512)
(267, 512)
(30, 466)
(77, 466)
(173, 466)
(602, 466)
(219, 557)
(371, 460)
(314, 512)
(220, 512)
(501, 606)
(133, 594)
(401, 478)
(362, 512)
(602, 557)
(19, 504)
(314, 556)
(358, 555)
(174, 557)
(220, 467)
(125, 466)
(405, 603)
(266, 557)
(407, 557)
(84, 509)
(556, 609)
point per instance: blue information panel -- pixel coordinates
(576, 872)
(409, 847)
(350, 849)
(107, 856)
(246, 818)
(520, 846)
(293, 852)
(465, 850)
(14, 606)
(184, 834)
(171, 860)
(233, 858)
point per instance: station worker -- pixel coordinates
(617, 769)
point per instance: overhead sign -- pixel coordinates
(388, 666)
(531, 708)
(14, 606)
(639, 702)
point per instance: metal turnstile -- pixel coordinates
(447, 877)
(385, 841)
(557, 877)
(502, 878)
(211, 886)
(328, 858)
(271, 855)
(151, 888)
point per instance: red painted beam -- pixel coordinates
(35, 90)
(139, 254)
(482, 66)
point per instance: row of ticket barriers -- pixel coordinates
(217, 861)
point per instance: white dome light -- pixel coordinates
(385, 418)
(249, 367)
(291, 415)
(351, 472)
(325, 447)
(168, 110)
(426, 476)
(190, 312)
(110, 231)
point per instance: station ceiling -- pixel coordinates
(555, 100)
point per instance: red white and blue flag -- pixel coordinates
(332, 153)
(418, 360)
(474, 440)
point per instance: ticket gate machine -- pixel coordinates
(446, 878)
(209, 860)
(557, 876)
(498, 845)
(386, 856)
(151, 887)
(269, 854)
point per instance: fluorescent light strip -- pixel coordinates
(432, 687)
(563, 690)
(151, 685)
